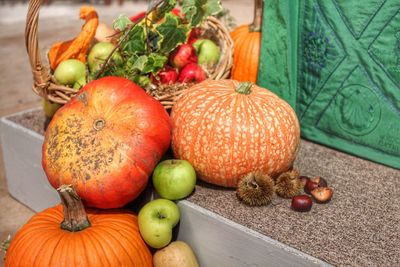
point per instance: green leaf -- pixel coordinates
(140, 63)
(155, 62)
(173, 33)
(161, 7)
(136, 41)
(197, 11)
(141, 80)
(154, 40)
(121, 23)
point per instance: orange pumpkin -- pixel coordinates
(227, 129)
(76, 238)
(106, 142)
(246, 40)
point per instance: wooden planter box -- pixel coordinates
(216, 240)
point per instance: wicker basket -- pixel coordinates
(45, 86)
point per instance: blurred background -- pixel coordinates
(59, 20)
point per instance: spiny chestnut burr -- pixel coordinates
(256, 189)
(322, 194)
(288, 184)
(301, 203)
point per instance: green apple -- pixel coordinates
(156, 220)
(207, 51)
(50, 108)
(174, 179)
(80, 83)
(99, 53)
(69, 72)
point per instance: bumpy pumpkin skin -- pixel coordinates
(106, 142)
(226, 135)
(246, 54)
(113, 239)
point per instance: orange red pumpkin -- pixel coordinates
(247, 43)
(106, 142)
(227, 129)
(78, 238)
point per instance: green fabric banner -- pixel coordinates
(337, 63)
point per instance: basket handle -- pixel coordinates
(40, 73)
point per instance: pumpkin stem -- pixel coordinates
(244, 88)
(75, 218)
(258, 14)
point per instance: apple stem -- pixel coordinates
(75, 218)
(258, 14)
(161, 216)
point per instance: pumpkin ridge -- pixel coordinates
(200, 118)
(47, 257)
(100, 245)
(240, 44)
(248, 138)
(220, 105)
(86, 243)
(262, 140)
(243, 65)
(267, 106)
(233, 131)
(118, 241)
(252, 120)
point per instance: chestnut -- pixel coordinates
(301, 203)
(322, 194)
(320, 181)
(304, 179)
(310, 186)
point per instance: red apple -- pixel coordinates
(167, 75)
(194, 35)
(192, 73)
(183, 55)
(136, 18)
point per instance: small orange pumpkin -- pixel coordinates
(96, 238)
(246, 40)
(227, 129)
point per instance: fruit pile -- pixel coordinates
(99, 151)
(163, 46)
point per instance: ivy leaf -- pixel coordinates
(121, 23)
(140, 63)
(155, 62)
(161, 7)
(136, 41)
(154, 40)
(198, 10)
(173, 32)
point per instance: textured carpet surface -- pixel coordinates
(360, 226)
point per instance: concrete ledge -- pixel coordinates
(216, 240)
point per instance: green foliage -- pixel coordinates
(122, 23)
(5, 244)
(197, 10)
(174, 33)
(146, 45)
